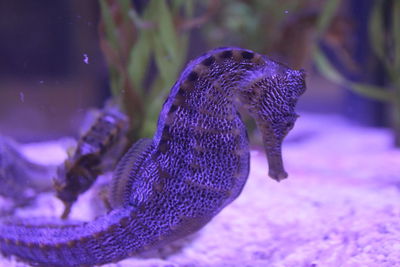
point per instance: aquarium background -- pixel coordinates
(53, 68)
(340, 205)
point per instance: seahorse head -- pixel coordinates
(270, 94)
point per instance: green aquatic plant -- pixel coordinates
(243, 23)
(145, 49)
(385, 42)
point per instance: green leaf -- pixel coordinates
(371, 91)
(377, 31)
(125, 5)
(163, 61)
(326, 67)
(110, 27)
(164, 42)
(189, 7)
(166, 30)
(153, 105)
(177, 4)
(116, 81)
(396, 38)
(326, 15)
(139, 60)
(329, 71)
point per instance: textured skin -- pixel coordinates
(197, 163)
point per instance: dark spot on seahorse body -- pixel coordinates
(194, 165)
(247, 55)
(166, 133)
(179, 99)
(163, 175)
(158, 187)
(72, 243)
(98, 235)
(163, 146)
(226, 54)
(133, 214)
(85, 239)
(181, 92)
(113, 228)
(193, 76)
(208, 61)
(173, 108)
(166, 129)
(124, 222)
(184, 88)
(47, 247)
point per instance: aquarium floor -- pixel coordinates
(339, 207)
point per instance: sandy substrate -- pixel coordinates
(339, 207)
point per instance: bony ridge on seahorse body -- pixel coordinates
(197, 163)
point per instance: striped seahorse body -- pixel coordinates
(169, 186)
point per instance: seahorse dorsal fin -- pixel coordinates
(123, 175)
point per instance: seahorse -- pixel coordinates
(97, 151)
(197, 162)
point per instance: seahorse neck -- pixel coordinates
(221, 69)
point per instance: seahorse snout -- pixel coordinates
(275, 164)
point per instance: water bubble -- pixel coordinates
(85, 59)
(22, 96)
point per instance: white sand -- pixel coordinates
(339, 207)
